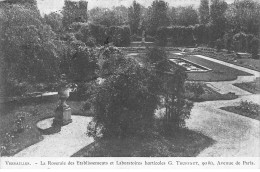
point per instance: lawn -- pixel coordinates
(218, 73)
(253, 64)
(186, 143)
(16, 141)
(252, 87)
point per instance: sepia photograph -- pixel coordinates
(130, 78)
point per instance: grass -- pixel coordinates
(16, 141)
(252, 87)
(186, 143)
(234, 109)
(253, 64)
(219, 72)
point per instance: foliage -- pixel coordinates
(219, 44)
(243, 16)
(255, 43)
(74, 12)
(249, 107)
(200, 34)
(134, 17)
(29, 47)
(196, 88)
(120, 35)
(187, 16)
(99, 33)
(157, 16)
(19, 125)
(116, 16)
(179, 35)
(204, 11)
(170, 80)
(54, 20)
(218, 20)
(123, 103)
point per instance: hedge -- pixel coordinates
(176, 35)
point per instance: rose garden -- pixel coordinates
(156, 81)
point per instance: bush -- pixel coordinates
(254, 47)
(149, 38)
(196, 88)
(120, 35)
(240, 41)
(249, 107)
(135, 38)
(99, 32)
(219, 44)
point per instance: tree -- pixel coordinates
(243, 16)
(204, 11)
(74, 12)
(187, 16)
(54, 20)
(134, 17)
(116, 16)
(171, 89)
(172, 13)
(217, 16)
(124, 104)
(157, 16)
(29, 46)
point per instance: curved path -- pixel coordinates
(69, 140)
(235, 135)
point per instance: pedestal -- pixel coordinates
(62, 116)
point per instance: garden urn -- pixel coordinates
(63, 111)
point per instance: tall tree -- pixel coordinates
(116, 16)
(158, 16)
(187, 16)
(218, 20)
(244, 16)
(74, 12)
(172, 13)
(29, 46)
(134, 17)
(204, 11)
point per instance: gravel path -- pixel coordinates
(68, 141)
(235, 135)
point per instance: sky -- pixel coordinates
(47, 6)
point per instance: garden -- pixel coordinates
(139, 104)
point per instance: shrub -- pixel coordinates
(196, 88)
(249, 107)
(240, 40)
(120, 35)
(135, 38)
(199, 34)
(99, 32)
(254, 47)
(149, 38)
(219, 44)
(161, 36)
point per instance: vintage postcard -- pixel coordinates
(129, 84)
